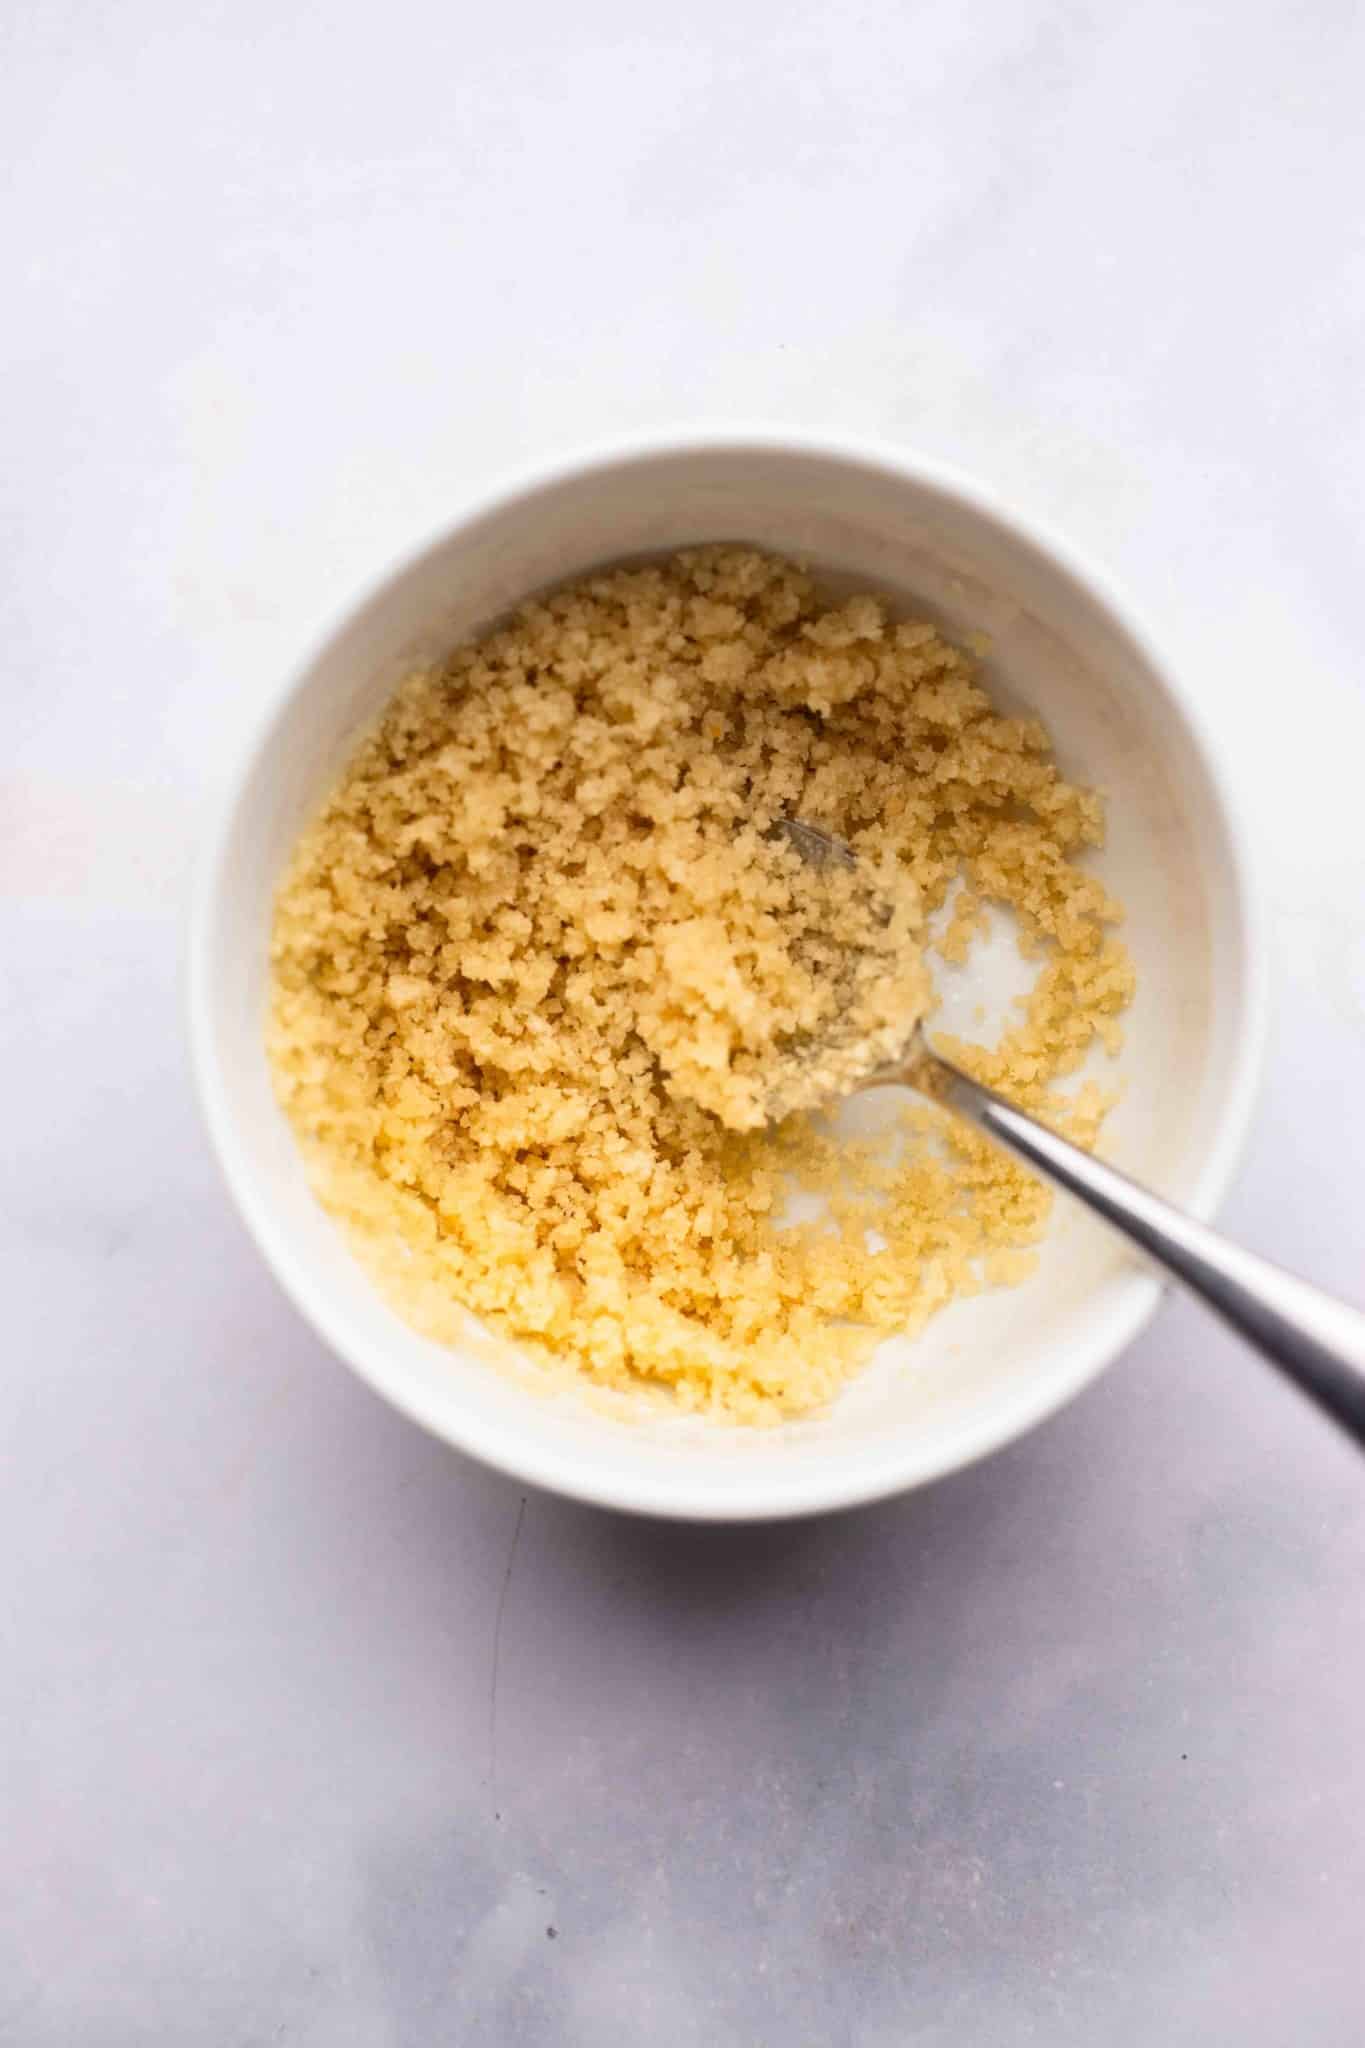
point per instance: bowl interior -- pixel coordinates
(986, 1368)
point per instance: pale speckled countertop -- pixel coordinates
(311, 1731)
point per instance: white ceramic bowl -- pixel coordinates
(986, 1369)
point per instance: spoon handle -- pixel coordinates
(1315, 1341)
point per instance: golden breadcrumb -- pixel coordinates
(545, 961)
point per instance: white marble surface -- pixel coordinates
(312, 1731)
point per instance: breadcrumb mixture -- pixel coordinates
(546, 961)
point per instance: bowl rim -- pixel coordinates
(841, 1482)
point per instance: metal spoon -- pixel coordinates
(1315, 1341)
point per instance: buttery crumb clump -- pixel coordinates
(546, 962)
